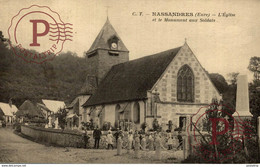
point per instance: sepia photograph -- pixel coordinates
(129, 82)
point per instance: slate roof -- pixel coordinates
(131, 80)
(104, 35)
(74, 102)
(89, 86)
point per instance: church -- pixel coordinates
(168, 87)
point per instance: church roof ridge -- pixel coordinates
(131, 80)
(151, 55)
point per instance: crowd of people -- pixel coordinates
(137, 140)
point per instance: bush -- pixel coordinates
(143, 126)
(61, 115)
(17, 127)
(156, 126)
(106, 126)
(113, 129)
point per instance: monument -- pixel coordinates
(242, 98)
(242, 114)
(56, 123)
(50, 122)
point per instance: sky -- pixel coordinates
(223, 46)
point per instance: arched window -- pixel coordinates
(136, 113)
(185, 84)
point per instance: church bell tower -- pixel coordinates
(106, 51)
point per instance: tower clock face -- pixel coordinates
(113, 45)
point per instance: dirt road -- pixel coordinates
(16, 149)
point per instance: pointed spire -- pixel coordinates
(106, 33)
(107, 21)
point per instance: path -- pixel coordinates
(16, 149)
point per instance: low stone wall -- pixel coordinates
(53, 136)
(69, 138)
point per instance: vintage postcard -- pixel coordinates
(129, 82)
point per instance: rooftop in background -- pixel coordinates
(29, 108)
(43, 107)
(75, 101)
(53, 105)
(7, 109)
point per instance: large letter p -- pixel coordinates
(214, 129)
(36, 34)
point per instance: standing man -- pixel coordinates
(96, 135)
(117, 134)
(180, 141)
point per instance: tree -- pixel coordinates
(143, 126)
(85, 126)
(156, 126)
(59, 79)
(219, 81)
(254, 98)
(254, 94)
(232, 78)
(2, 37)
(254, 66)
(229, 96)
(219, 143)
(61, 115)
(216, 144)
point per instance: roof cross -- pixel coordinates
(107, 10)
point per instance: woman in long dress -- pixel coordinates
(158, 146)
(143, 143)
(151, 142)
(119, 145)
(137, 146)
(110, 140)
(129, 142)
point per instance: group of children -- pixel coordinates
(144, 141)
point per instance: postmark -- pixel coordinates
(37, 34)
(215, 134)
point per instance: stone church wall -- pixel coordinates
(90, 63)
(106, 61)
(166, 86)
(82, 100)
(110, 112)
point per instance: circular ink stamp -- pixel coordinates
(216, 133)
(37, 34)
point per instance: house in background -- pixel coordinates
(29, 112)
(53, 105)
(7, 111)
(76, 113)
(73, 114)
(47, 112)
